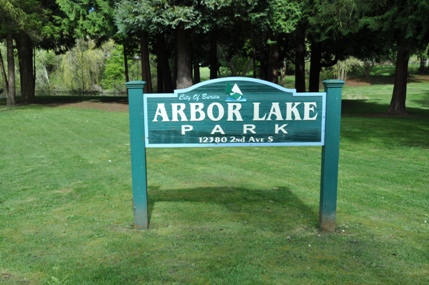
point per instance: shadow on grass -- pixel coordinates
(252, 206)
(365, 121)
(382, 78)
(424, 102)
(365, 108)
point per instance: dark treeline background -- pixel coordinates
(97, 45)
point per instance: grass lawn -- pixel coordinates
(217, 215)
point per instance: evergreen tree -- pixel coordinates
(152, 18)
(326, 27)
(11, 21)
(400, 25)
(30, 23)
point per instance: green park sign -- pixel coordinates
(236, 111)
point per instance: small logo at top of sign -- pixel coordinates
(234, 93)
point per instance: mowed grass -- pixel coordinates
(217, 215)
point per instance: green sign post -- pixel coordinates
(138, 154)
(236, 111)
(330, 156)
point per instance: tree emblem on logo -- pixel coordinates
(234, 93)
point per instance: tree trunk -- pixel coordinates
(213, 56)
(144, 55)
(315, 58)
(197, 75)
(232, 67)
(11, 90)
(3, 75)
(184, 59)
(422, 62)
(263, 64)
(300, 60)
(273, 63)
(126, 70)
(26, 67)
(397, 104)
(159, 79)
(254, 61)
(248, 66)
(165, 81)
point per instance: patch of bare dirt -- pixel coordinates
(111, 106)
(376, 80)
(368, 81)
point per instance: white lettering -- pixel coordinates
(249, 127)
(275, 110)
(220, 112)
(197, 109)
(256, 116)
(253, 139)
(281, 128)
(160, 111)
(177, 110)
(309, 107)
(217, 129)
(186, 128)
(216, 112)
(234, 110)
(292, 109)
(184, 97)
(210, 97)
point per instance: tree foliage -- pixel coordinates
(401, 26)
(242, 36)
(25, 25)
(82, 67)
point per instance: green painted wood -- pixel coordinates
(330, 156)
(331, 114)
(138, 154)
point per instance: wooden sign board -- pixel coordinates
(236, 111)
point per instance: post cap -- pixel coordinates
(333, 83)
(136, 84)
